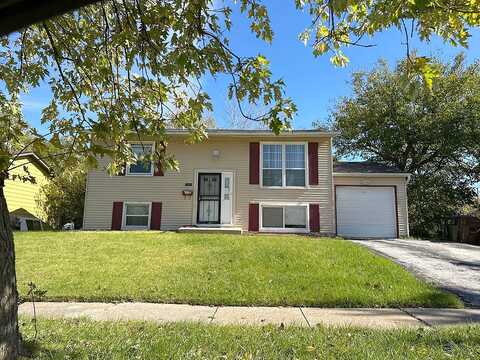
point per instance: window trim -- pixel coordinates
(284, 163)
(136, 227)
(305, 230)
(152, 167)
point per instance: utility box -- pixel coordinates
(452, 230)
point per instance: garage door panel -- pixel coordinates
(366, 231)
(366, 211)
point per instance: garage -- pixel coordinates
(366, 211)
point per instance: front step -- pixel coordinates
(210, 230)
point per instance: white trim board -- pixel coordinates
(357, 174)
(313, 133)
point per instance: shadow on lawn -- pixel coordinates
(32, 348)
(446, 299)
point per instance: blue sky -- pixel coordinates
(313, 83)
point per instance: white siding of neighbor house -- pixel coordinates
(401, 187)
(178, 210)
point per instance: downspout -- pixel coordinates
(409, 176)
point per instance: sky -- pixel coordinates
(314, 84)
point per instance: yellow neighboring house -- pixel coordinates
(22, 196)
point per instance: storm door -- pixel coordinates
(209, 191)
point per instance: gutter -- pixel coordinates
(259, 133)
(409, 176)
(357, 174)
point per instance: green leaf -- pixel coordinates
(424, 66)
(339, 60)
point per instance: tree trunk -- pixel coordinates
(9, 334)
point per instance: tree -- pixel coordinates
(62, 198)
(17, 14)
(119, 69)
(431, 133)
(341, 23)
(235, 119)
(123, 68)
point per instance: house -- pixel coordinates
(21, 195)
(250, 180)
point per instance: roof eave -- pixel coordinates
(47, 170)
(370, 174)
(255, 133)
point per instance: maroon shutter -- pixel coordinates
(254, 163)
(314, 213)
(158, 171)
(313, 163)
(117, 213)
(156, 216)
(253, 217)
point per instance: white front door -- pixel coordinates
(227, 197)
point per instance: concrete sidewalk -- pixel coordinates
(237, 315)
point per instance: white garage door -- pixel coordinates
(366, 212)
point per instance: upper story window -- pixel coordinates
(295, 164)
(283, 165)
(272, 165)
(142, 166)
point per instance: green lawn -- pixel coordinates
(82, 339)
(216, 270)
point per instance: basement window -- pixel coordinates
(137, 216)
(284, 218)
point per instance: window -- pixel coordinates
(272, 165)
(284, 217)
(283, 165)
(296, 217)
(295, 164)
(272, 217)
(142, 166)
(137, 215)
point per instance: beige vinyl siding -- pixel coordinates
(178, 210)
(401, 187)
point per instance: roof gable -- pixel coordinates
(35, 159)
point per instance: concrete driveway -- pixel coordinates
(451, 266)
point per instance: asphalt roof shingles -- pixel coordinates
(363, 167)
